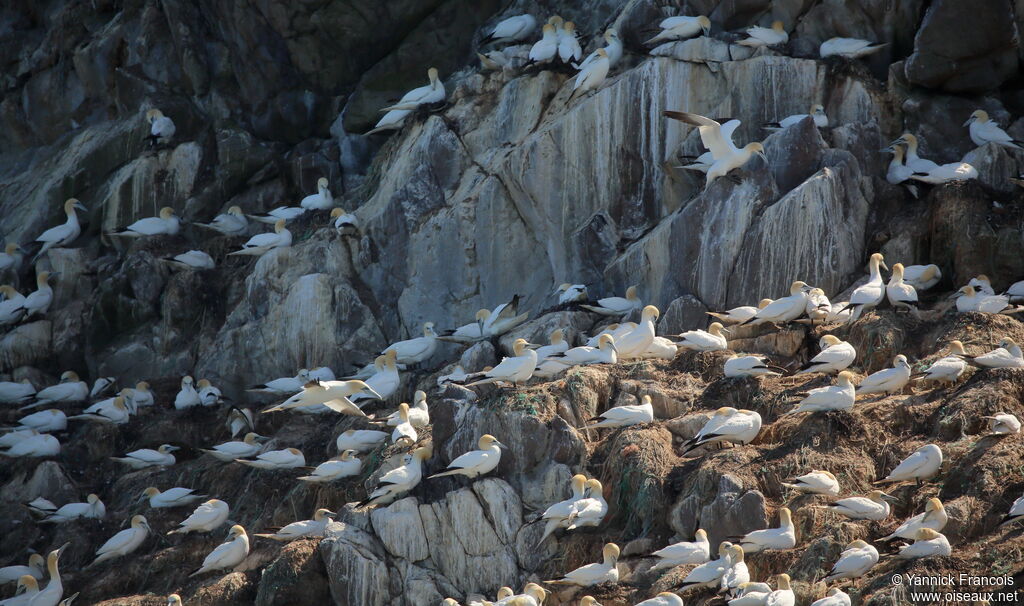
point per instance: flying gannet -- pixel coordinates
(718, 139)
(331, 393)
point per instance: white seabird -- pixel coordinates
(934, 517)
(604, 353)
(1007, 355)
(302, 528)
(927, 544)
(873, 506)
(592, 76)
(503, 318)
(571, 293)
(1002, 423)
(36, 569)
(418, 414)
(92, 508)
(14, 436)
(228, 554)
(897, 171)
(44, 421)
(209, 395)
(851, 48)
(924, 463)
(699, 340)
(239, 420)
(765, 36)
(837, 355)
(613, 50)
(284, 385)
(511, 29)
(954, 171)
(751, 594)
(193, 259)
(1015, 513)
(399, 480)
(736, 574)
(922, 277)
(899, 293)
(161, 127)
(739, 314)
(783, 537)
(681, 27)
(54, 590)
(334, 394)
(360, 440)
(569, 50)
(124, 542)
(384, 383)
(816, 113)
(591, 509)
(346, 465)
(229, 223)
(634, 343)
(172, 497)
(69, 389)
(475, 463)
(208, 516)
(624, 416)
(984, 130)
(783, 594)
(260, 244)
(545, 49)
(697, 551)
(515, 369)
(834, 597)
(146, 457)
(10, 259)
(888, 380)
(42, 445)
(285, 213)
(913, 161)
(709, 574)
(556, 345)
(101, 385)
(970, 299)
(815, 482)
(947, 369)
(344, 220)
(867, 296)
(187, 396)
(853, 562)
(404, 431)
(286, 458)
(616, 306)
(38, 301)
(415, 350)
(783, 310)
(167, 223)
(557, 515)
(748, 366)
(727, 425)
(116, 412)
(322, 199)
(595, 574)
(11, 305)
(718, 139)
(424, 95)
(64, 234)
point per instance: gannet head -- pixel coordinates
(933, 504)
(716, 329)
(926, 534)
(778, 26)
(726, 411)
(785, 516)
(723, 548)
(897, 270)
(390, 359)
(701, 535)
(845, 378)
(858, 544)
(69, 376)
(321, 514)
(36, 561)
(11, 248)
(403, 412)
(167, 449)
(1007, 343)
(967, 291)
(564, 286)
(756, 148)
(423, 453)
(42, 278)
(166, 213)
(764, 303)
(556, 337)
(174, 600)
(536, 592)
(203, 383)
(252, 438)
(579, 483)
(505, 592)
(646, 400)
(486, 441)
(606, 342)
(119, 403)
(420, 397)
(337, 211)
(8, 291)
(631, 294)
(736, 553)
(830, 340)
(650, 313)
(705, 24)
(279, 226)
(909, 139)
(71, 204)
(236, 210)
(610, 553)
(978, 115)
(548, 30)
(428, 329)
(569, 27)
(611, 34)
(878, 496)
(878, 261)
(817, 110)
(154, 114)
(594, 487)
(347, 455)
(901, 360)
(140, 522)
(519, 346)
(432, 75)
(236, 531)
(602, 53)
(27, 584)
(142, 386)
(186, 381)
(322, 183)
(92, 499)
(555, 20)
(589, 601)
(149, 493)
(783, 581)
(797, 287)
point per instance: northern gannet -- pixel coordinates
(38, 301)
(302, 528)
(418, 414)
(141, 396)
(346, 465)
(239, 420)
(65, 234)
(209, 395)
(384, 383)
(556, 345)
(161, 127)
(595, 574)
(424, 95)
(511, 29)
(718, 139)
(344, 221)
(699, 340)
(736, 574)
(124, 542)
(836, 355)
(569, 50)
(11, 258)
(504, 318)
(41, 506)
(851, 48)
(14, 436)
(286, 458)
(634, 343)
(1007, 355)
(709, 574)
(871, 507)
(172, 497)
(166, 223)
(557, 515)
(816, 113)
(404, 431)
(11, 309)
(783, 310)
(286, 213)
(228, 554)
(399, 480)
(954, 171)
(783, 594)
(834, 597)
(727, 425)
(92, 508)
(739, 314)
(116, 412)
(493, 60)
(260, 244)
(322, 199)
(616, 306)
(42, 445)
(899, 293)
(853, 562)
(748, 366)
(765, 36)
(593, 75)
(360, 440)
(591, 509)
(101, 385)
(888, 380)
(922, 277)
(70, 389)
(208, 516)
(468, 333)
(146, 457)
(660, 348)
(545, 49)
(613, 49)
(416, 350)
(934, 517)
(1015, 513)
(984, 130)
(475, 463)
(924, 463)
(36, 569)
(867, 296)
(680, 28)
(815, 482)
(515, 369)
(927, 544)
(898, 171)
(532, 595)
(54, 590)
(612, 330)
(571, 293)
(44, 421)
(968, 298)
(751, 594)
(818, 307)
(913, 161)
(624, 416)
(697, 551)
(284, 385)
(193, 259)
(230, 223)
(328, 393)
(1002, 423)
(947, 369)
(187, 396)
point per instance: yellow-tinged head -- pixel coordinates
(236, 210)
(322, 183)
(610, 552)
(602, 53)
(204, 383)
(423, 453)
(322, 513)
(926, 534)
(69, 376)
(166, 213)
(830, 340)
(557, 336)
(701, 535)
(650, 313)
(153, 114)
(797, 287)
(716, 329)
(42, 279)
(487, 441)
(933, 504)
(519, 346)
(279, 226)
(236, 531)
(432, 74)
(28, 583)
(72, 204)
(150, 492)
(631, 294)
(337, 211)
(139, 521)
(778, 26)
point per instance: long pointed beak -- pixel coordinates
(969, 120)
(889, 496)
(371, 391)
(956, 294)
(884, 266)
(763, 156)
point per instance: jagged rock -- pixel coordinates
(721, 505)
(399, 528)
(296, 577)
(25, 345)
(684, 313)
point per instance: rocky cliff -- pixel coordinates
(510, 188)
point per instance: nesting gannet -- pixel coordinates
(922, 277)
(172, 497)
(344, 221)
(571, 293)
(36, 569)
(921, 465)
(208, 516)
(11, 258)
(612, 330)
(69, 389)
(624, 416)
(934, 517)
(146, 457)
(545, 49)
(416, 350)
(44, 421)
(1007, 355)
(333, 394)
(513, 369)
(680, 28)
(889, 380)
(913, 161)
(867, 296)
(54, 590)
(511, 29)
(230, 223)
(346, 465)
(193, 259)
(834, 597)
(101, 385)
(41, 445)
(613, 50)
(783, 537)
(209, 394)
(783, 594)
(660, 348)
(871, 507)
(851, 48)
(285, 213)
(947, 369)
(984, 130)
(124, 542)
(818, 307)
(117, 412)
(404, 431)
(41, 506)
(816, 113)
(783, 310)
(424, 95)
(322, 199)
(739, 314)
(228, 554)
(239, 420)
(187, 396)
(11, 308)
(1002, 423)
(26, 589)
(815, 482)
(727, 425)
(898, 171)
(927, 543)
(591, 509)
(161, 127)
(475, 463)
(836, 356)
(748, 366)
(418, 413)
(751, 594)
(736, 574)
(616, 306)
(765, 36)
(954, 171)
(284, 385)
(569, 50)
(1016, 291)
(360, 440)
(383, 384)
(1015, 513)
(699, 340)
(697, 551)
(64, 234)
(14, 436)
(557, 345)
(38, 301)
(399, 480)
(595, 574)
(504, 318)
(167, 223)
(261, 244)
(853, 562)
(557, 516)
(302, 528)
(92, 508)
(709, 574)
(968, 298)
(718, 139)
(899, 293)
(634, 343)
(286, 458)
(468, 333)
(593, 75)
